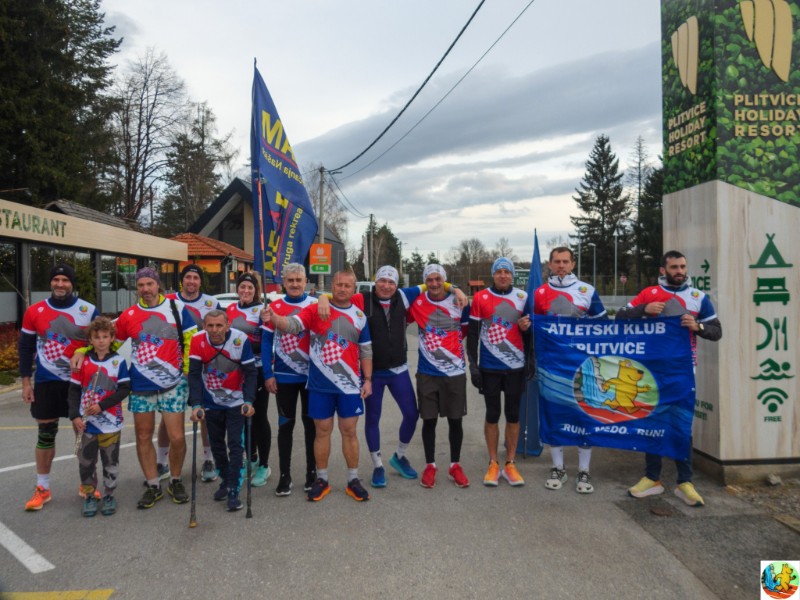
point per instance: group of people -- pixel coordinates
(336, 354)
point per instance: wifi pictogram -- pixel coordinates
(772, 398)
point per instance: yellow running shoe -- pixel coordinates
(492, 474)
(511, 475)
(687, 493)
(646, 487)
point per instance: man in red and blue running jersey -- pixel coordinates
(441, 371)
(199, 305)
(340, 350)
(673, 296)
(222, 384)
(564, 294)
(497, 323)
(52, 330)
(160, 331)
(284, 358)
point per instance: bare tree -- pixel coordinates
(152, 108)
(503, 248)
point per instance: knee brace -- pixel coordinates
(47, 435)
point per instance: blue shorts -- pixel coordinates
(322, 405)
(172, 400)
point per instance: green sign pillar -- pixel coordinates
(731, 87)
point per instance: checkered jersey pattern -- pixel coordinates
(146, 352)
(432, 340)
(496, 333)
(289, 343)
(54, 348)
(214, 379)
(331, 352)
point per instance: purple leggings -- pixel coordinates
(402, 390)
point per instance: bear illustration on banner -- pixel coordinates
(612, 389)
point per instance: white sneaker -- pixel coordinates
(558, 477)
(582, 484)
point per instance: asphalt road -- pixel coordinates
(407, 542)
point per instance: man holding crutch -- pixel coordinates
(222, 386)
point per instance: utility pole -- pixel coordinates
(372, 258)
(321, 222)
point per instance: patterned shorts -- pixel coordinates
(172, 400)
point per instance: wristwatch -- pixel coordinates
(700, 327)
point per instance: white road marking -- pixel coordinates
(33, 561)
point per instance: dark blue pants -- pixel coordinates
(222, 423)
(653, 467)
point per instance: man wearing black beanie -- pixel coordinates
(52, 330)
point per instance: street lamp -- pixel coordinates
(594, 264)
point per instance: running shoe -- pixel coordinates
(646, 487)
(109, 505)
(311, 477)
(209, 471)
(492, 476)
(356, 491)
(260, 477)
(558, 477)
(90, 506)
(402, 466)
(177, 491)
(428, 476)
(319, 490)
(583, 484)
(456, 474)
(234, 503)
(151, 495)
(221, 493)
(163, 471)
(40, 497)
(378, 478)
(687, 493)
(511, 475)
(284, 485)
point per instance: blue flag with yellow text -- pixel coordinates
(285, 224)
(617, 384)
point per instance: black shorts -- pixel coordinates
(442, 396)
(50, 400)
(510, 382)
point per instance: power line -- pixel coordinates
(355, 211)
(441, 60)
(442, 99)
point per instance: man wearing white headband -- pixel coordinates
(497, 324)
(386, 308)
(441, 372)
(564, 294)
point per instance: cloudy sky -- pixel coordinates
(502, 153)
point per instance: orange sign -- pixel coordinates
(319, 259)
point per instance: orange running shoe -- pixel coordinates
(40, 497)
(492, 476)
(511, 475)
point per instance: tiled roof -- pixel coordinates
(200, 245)
(73, 209)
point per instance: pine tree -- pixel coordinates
(604, 211)
(650, 227)
(54, 140)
